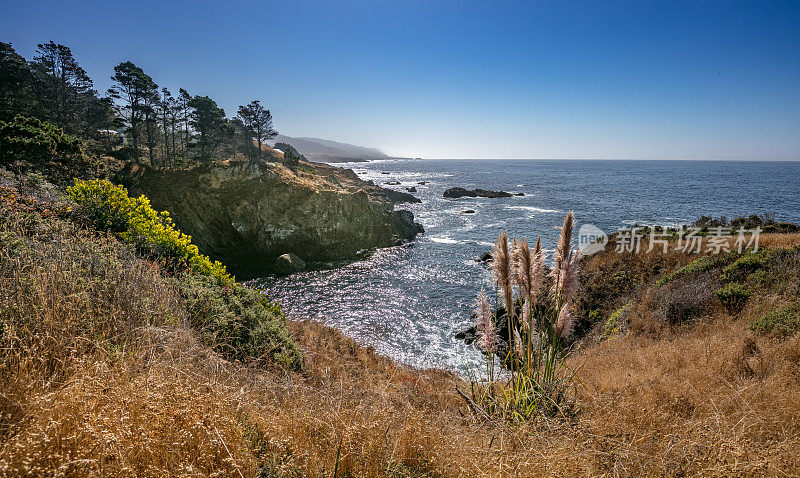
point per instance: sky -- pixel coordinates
(465, 79)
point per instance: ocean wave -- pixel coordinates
(530, 208)
(443, 240)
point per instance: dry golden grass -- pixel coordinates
(780, 240)
(324, 178)
(100, 376)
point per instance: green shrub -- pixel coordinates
(622, 277)
(733, 296)
(761, 278)
(237, 321)
(107, 207)
(28, 139)
(291, 157)
(783, 322)
(781, 228)
(744, 266)
(700, 265)
(614, 323)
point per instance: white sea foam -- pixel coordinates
(443, 240)
(530, 208)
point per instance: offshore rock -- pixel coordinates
(455, 193)
(397, 197)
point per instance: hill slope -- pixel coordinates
(103, 374)
(329, 151)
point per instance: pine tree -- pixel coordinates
(15, 84)
(134, 88)
(183, 106)
(207, 120)
(258, 121)
(63, 89)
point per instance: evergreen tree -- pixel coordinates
(183, 106)
(15, 81)
(64, 89)
(150, 101)
(131, 87)
(258, 122)
(291, 156)
(164, 119)
(246, 125)
(207, 119)
(102, 119)
(230, 132)
(243, 138)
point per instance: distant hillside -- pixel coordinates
(328, 151)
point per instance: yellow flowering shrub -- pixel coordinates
(234, 320)
(108, 207)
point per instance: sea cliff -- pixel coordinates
(246, 215)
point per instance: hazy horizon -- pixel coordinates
(722, 160)
(466, 80)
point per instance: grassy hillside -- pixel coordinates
(113, 363)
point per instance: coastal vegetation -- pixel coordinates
(537, 323)
(125, 350)
(135, 120)
(106, 207)
(114, 364)
(54, 123)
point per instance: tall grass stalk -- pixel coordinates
(538, 321)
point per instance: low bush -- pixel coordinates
(759, 278)
(733, 296)
(781, 228)
(28, 145)
(237, 321)
(745, 265)
(782, 322)
(28, 139)
(702, 264)
(614, 323)
(686, 300)
(107, 207)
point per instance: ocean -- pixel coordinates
(409, 301)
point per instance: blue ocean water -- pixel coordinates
(409, 301)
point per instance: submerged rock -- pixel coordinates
(470, 334)
(485, 257)
(455, 193)
(411, 189)
(289, 263)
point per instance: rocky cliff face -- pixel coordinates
(246, 215)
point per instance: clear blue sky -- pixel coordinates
(458, 79)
